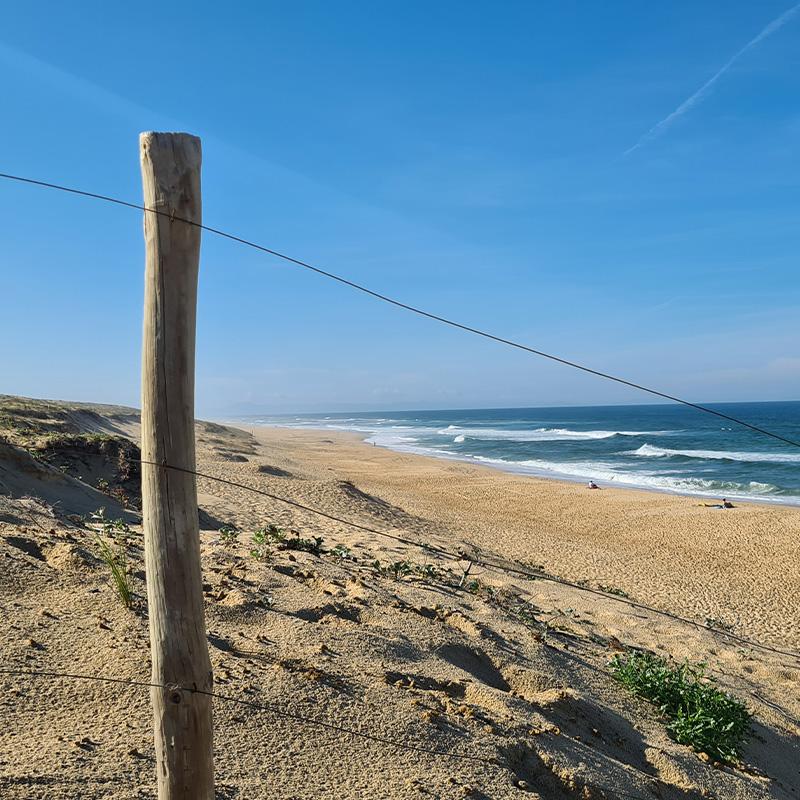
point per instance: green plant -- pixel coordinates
(273, 533)
(261, 550)
(526, 613)
(312, 545)
(111, 547)
(719, 624)
(342, 552)
(613, 590)
(114, 557)
(116, 529)
(700, 715)
(400, 568)
(478, 588)
(427, 571)
(228, 534)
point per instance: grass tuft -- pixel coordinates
(111, 547)
(700, 715)
(114, 558)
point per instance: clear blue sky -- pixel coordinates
(490, 161)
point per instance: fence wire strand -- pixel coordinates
(463, 556)
(300, 718)
(399, 304)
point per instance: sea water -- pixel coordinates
(669, 448)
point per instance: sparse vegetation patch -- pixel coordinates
(700, 715)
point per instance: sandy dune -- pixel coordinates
(507, 671)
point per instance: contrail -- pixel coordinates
(692, 101)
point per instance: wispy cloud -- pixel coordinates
(700, 94)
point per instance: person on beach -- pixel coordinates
(593, 485)
(724, 504)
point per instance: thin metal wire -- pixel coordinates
(269, 707)
(531, 574)
(399, 304)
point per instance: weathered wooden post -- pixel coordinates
(179, 650)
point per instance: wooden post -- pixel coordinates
(179, 649)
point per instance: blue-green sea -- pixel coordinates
(668, 448)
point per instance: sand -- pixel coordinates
(738, 566)
(414, 658)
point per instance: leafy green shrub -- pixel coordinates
(701, 715)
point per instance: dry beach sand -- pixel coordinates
(412, 657)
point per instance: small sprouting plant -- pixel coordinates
(228, 534)
(261, 550)
(700, 715)
(274, 534)
(427, 571)
(400, 568)
(613, 590)
(478, 588)
(719, 624)
(111, 547)
(116, 529)
(342, 552)
(526, 613)
(116, 561)
(295, 542)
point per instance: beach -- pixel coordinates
(737, 565)
(354, 657)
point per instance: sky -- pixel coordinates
(616, 183)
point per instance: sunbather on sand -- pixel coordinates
(724, 504)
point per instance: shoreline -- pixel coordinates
(527, 472)
(659, 548)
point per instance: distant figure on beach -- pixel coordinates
(593, 485)
(724, 504)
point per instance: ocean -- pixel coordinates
(668, 448)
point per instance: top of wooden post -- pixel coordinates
(171, 161)
(174, 139)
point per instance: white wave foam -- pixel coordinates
(610, 475)
(459, 439)
(537, 434)
(651, 451)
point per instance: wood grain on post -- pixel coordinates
(179, 650)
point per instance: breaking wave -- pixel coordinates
(651, 451)
(535, 434)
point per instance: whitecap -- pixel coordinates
(651, 451)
